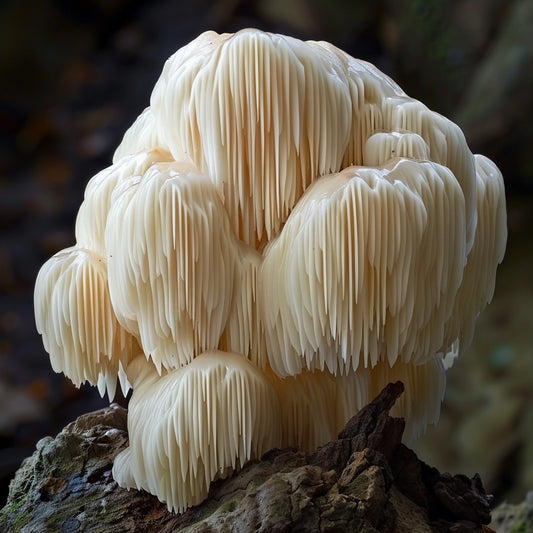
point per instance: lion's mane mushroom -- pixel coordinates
(80, 331)
(282, 225)
(173, 262)
(195, 424)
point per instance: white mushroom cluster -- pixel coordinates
(282, 232)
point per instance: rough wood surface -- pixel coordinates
(365, 481)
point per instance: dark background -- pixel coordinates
(74, 75)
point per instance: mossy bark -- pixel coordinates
(365, 481)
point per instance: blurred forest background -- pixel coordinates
(74, 75)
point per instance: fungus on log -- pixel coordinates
(195, 424)
(282, 232)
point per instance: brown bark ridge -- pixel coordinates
(365, 481)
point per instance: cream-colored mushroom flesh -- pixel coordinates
(479, 277)
(366, 269)
(195, 424)
(80, 331)
(173, 262)
(281, 233)
(424, 391)
(307, 108)
(315, 406)
(92, 215)
(243, 332)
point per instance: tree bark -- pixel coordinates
(365, 481)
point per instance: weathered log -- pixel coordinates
(365, 481)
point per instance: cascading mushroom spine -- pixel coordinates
(281, 233)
